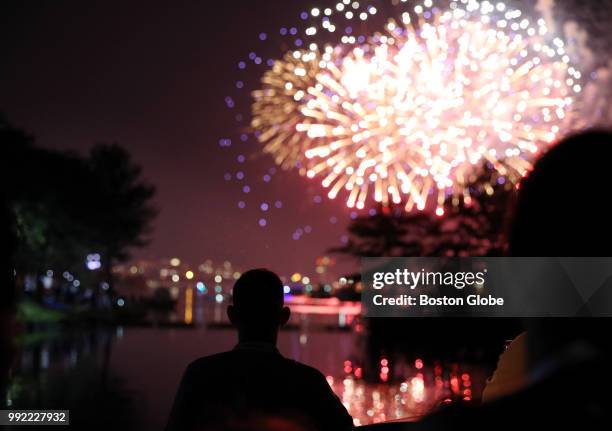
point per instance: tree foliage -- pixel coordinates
(64, 205)
(477, 229)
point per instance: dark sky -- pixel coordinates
(152, 76)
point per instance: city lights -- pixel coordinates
(93, 262)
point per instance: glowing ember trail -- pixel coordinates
(411, 114)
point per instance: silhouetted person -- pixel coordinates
(254, 382)
(563, 209)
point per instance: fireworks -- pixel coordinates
(409, 114)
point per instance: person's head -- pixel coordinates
(563, 205)
(563, 210)
(257, 308)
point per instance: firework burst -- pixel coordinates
(408, 115)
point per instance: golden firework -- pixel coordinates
(413, 111)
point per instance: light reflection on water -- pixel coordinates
(409, 398)
(149, 361)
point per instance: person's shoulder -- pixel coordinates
(207, 362)
(305, 370)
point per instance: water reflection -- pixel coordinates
(420, 391)
(135, 370)
(61, 368)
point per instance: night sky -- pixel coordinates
(153, 78)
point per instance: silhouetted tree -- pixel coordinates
(44, 198)
(390, 232)
(476, 229)
(124, 214)
(64, 206)
(7, 281)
